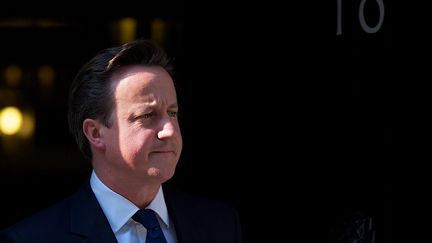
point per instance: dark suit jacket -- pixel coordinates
(79, 218)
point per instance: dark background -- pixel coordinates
(281, 117)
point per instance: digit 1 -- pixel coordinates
(339, 18)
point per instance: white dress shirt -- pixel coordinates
(119, 211)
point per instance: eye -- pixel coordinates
(147, 116)
(172, 113)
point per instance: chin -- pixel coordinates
(167, 176)
(162, 174)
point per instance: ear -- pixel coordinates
(93, 131)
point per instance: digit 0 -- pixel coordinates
(362, 19)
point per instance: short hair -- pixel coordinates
(91, 92)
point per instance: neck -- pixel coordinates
(138, 192)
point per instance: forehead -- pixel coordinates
(137, 81)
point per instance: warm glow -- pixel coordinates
(13, 75)
(127, 29)
(46, 76)
(28, 125)
(11, 120)
(158, 28)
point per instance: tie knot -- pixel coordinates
(147, 218)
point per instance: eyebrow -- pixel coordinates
(148, 106)
(134, 115)
(174, 105)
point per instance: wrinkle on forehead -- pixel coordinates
(139, 87)
(141, 80)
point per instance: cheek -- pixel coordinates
(180, 143)
(179, 136)
(134, 146)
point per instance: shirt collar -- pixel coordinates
(119, 210)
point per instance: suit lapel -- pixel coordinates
(88, 222)
(187, 227)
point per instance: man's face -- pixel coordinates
(144, 140)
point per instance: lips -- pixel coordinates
(163, 152)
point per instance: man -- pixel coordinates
(123, 114)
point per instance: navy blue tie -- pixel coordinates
(147, 218)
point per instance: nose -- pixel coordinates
(168, 128)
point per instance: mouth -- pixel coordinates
(163, 152)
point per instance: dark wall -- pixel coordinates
(281, 117)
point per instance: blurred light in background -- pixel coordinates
(11, 120)
(28, 124)
(14, 121)
(46, 76)
(125, 29)
(17, 127)
(13, 75)
(158, 30)
(31, 23)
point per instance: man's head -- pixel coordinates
(123, 109)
